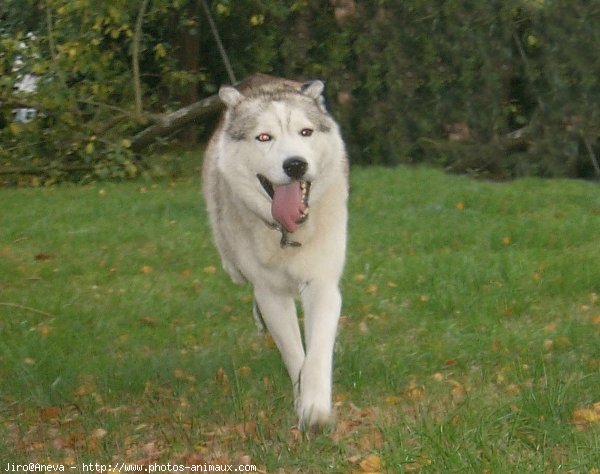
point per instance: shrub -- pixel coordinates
(498, 88)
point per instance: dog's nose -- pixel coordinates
(295, 167)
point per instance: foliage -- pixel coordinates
(424, 69)
(468, 343)
(500, 88)
(81, 52)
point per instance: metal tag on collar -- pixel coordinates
(284, 242)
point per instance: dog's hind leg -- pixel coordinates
(278, 313)
(258, 318)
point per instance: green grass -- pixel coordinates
(470, 338)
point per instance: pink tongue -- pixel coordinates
(287, 205)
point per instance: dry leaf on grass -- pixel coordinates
(372, 463)
(582, 418)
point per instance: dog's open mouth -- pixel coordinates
(289, 205)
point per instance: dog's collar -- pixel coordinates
(284, 242)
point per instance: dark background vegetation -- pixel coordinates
(498, 89)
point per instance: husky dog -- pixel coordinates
(275, 181)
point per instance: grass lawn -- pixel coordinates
(469, 342)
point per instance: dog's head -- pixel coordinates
(279, 145)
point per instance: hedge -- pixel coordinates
(501, 88)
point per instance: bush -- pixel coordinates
(497, 88)
(514, 83)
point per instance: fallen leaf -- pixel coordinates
(363, 327)
(149, 321)
(146, 269)
(180, 374)
(414, 391)
(221, 377)
(84, 390)
(187, 273)
(195, 459)
(210, 269)
(99, 433)
(551, 327)
(506, 240)
(371, 440)
(42, 256)
(392, 400)
(458, 390)
(244, 371)
(269, 341)
(151, 450)
(49, 413)
(583, 417)
(372, 463)
(418, 465)
(245, 430)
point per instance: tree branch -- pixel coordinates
(592, 156)
(57, 70)
(137, 86)
(171, 122)
(26, 308)
(215, 32)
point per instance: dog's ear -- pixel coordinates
(230, 96)
(313, 89)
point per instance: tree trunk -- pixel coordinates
(188, 52)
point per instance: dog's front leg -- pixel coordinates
(279, 315)
(322, 304)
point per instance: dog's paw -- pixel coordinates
(314, 416)
(313, 403)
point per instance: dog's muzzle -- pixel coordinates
(289, 202)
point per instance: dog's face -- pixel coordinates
(276, 147)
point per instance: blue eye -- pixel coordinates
(306, 132)
(264, 137)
